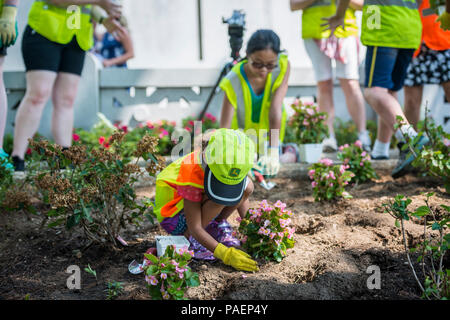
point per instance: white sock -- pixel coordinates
(364, 137)
(380, 149)
(405, 130)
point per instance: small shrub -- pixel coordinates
(358, 162)
(265, 231)
(114, 289)
(310, 124)
(329, 181)
(432, 249)
(169, 276)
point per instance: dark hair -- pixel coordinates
(263, 39)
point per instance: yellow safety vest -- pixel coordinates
(186, 171)
(391, 23)
(62, 24)
(312, 19)
(238, 92)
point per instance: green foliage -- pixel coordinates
(434, 158)
(113, 290)
(265, 231)
(91, 271)
(310, 125)
(434, 246)
(357, 161)
(169, 276)
(329, 181)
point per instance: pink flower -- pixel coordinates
(326, 161)
(163, 276)
(332, 176)
(239, 219)
(311, 172)
(342, 169)
(341, 148)
(191, 123)
(346, 145)
(358, 144)
(361, 164)
(188, 129)
(314, 184)
(150, 124)
(331, 184)
(446, 142)
(272, 235)
(175, 263)
(153, 281)
(75, 137)
(280, 205)
(101, 140)
(363, 154)
(305, 123)
(261, 230)
(266, 223)
(310, 111)
(166, 296)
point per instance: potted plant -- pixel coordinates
(310, 129)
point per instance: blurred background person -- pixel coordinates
(342, 46)
(53, 47)
(8, 37)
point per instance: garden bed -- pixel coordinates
(335, 244)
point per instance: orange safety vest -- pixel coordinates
(434, 37)
(186, 171)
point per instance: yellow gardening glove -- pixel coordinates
(8, 32)
(444, 19)
(269, 164)
(236, 258)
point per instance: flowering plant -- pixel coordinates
(208, 122)
(265, 231)
(169, 276)
(310, 124)
(358, 161)
(329, 181)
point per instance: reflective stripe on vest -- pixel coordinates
(312, 20)
(391, 23)
(186, 171)
(55, 23)
(239, 95)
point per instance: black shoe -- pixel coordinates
(19, 164)
(379, 157)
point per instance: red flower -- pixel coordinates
(29, 151)
(101, 140)
(124, 129)
(75, 137)
(106, 145)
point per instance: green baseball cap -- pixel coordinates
(229, 157)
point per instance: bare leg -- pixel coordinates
(413, 101)
(446, 86)
(355, 102)
(39, 87)
(325, 101)
(3, 103)
(63, 97)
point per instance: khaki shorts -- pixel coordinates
(322, 64)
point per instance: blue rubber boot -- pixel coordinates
(404, 163)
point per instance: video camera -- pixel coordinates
(236, 27)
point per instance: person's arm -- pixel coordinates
(125, 39)
(300, 4)
(338, 19)
(226, 116)
(275, 113)
(113, 9)
(356, 4)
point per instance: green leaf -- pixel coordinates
(422, 211)
(56, 223)
(151, 257)
(72, 221)
(435, 226)
(397, 223)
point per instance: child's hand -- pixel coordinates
(236, 258)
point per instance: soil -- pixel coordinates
(335, 244)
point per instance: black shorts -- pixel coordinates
(39, 53)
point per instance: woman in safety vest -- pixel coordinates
(58, 34)
(8, 36)
(254, 92)
(343, 47)
(197, 193)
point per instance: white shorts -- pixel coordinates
(322, 63)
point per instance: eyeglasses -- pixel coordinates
(258, 65)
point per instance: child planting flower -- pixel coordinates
(169, 276)
(197, 193)
(358, 161)
(265, 231)
(329, 181)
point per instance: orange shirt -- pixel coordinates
(434, 37)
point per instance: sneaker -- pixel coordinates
(329, 145)
(379, 157)
(366, 141)
(200, 252)
(223, 232)
(406, 158)
(19, 164)
(4, 160)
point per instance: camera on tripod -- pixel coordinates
(236, 27)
